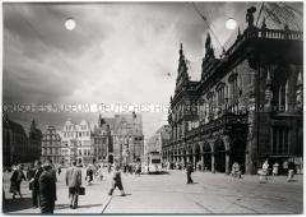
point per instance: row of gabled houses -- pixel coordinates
(119, 138)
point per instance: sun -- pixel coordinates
(70, 24)
(231, 24)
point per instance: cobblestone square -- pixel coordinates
(169, 193)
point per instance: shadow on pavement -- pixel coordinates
(90, 205)
(62, 206)
(10, 205)
(157, 173)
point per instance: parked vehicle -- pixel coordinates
(154, 164)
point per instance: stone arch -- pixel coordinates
(219, 153)
(238, 153)
(207, 152)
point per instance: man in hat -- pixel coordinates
(74, 182)
(47, 189)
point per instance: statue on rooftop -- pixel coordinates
(250, 16)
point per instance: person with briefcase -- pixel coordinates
(74, 182)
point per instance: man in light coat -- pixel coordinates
(74, 182)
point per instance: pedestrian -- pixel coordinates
(53, 169)
(265, 171)
(100, 173)
(89, 175)
(31, 171)
(189, 170)
(291, 167)
(116, 182)
(236, 172)
(275, 170)
(59, 170)
(131, 168)
(47, 189)
(74, 182)
(137, 169)
(109, 167)
(16, 179)
(34, 183)
(285, 167)
(168, 165)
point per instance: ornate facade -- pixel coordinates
(247, 105)
(128, 139)
(78, 138)
(52, 147)
(117, 138)
(102, 140)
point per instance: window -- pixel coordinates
(221, 96)
(235, 88)
(283, 96)
(233, 80)
(280, 143)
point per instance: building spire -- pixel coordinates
(209, 51)
(33, 124)
(182, 67)
(182, 74)
(263, 24)
(181, 50)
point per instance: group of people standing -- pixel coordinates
(42, 179)
(266, 170)
(42, 183)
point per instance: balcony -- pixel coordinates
(274, 34)
(226, 122)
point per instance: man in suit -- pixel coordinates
(47, 189)
(74, 182)
(34, 183)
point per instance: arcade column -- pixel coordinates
(227, 163)
(213, 162)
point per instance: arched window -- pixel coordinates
(283, 96)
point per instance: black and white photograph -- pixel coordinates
(152, 108)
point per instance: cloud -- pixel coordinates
(118, 52)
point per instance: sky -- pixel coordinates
(118, 52)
